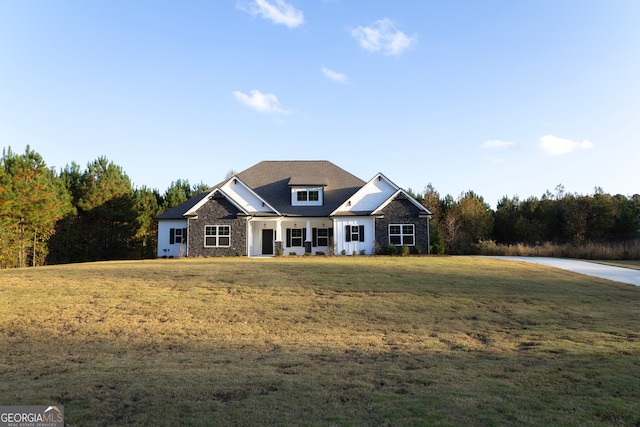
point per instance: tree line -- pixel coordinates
(556, 221)
(75, 214)
(95, 213)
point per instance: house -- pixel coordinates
(294, 207)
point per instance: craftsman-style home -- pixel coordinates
(294, 207)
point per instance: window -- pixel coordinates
(306, 196)
(402, 234)
(177, 235)
(296, 237)
(217, 236)
(320, 237)
(354, 233)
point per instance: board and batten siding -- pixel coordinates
(371, 195)
(342, 243)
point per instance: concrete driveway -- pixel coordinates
(617, 274)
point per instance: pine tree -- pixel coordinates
(31, 201)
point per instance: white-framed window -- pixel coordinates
(216, 236)
(354, 233)
(310, 196)
(177, 236)
(296, 237)
(402, 234)
(322, 237)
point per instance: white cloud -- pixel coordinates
(383, 36)
(496, 144)
(335, 76)
(263, 102)
(278, 11)
(555, 146)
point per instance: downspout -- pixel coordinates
(187, 239)
(248, 237)
(428, 235)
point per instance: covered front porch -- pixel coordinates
(290, 235)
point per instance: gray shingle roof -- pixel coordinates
(271, 180)
(177, 212)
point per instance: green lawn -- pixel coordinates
(344, 341)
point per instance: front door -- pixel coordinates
(267, 242)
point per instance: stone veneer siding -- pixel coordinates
(402, 211)
(217, 211)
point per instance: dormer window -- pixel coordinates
(306, 196)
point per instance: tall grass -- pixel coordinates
(332, 341)
(627, 250)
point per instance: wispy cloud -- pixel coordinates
(496, 144)
(277, 11)
(556, 146)
(263, 102)
(334, 75)
(383, 36)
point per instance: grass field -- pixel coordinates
(345, 341)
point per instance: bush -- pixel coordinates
(391, 249)
(319, 253)
(279, 252)
(404, 250)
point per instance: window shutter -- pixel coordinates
(172, 236)
(347, 233)
(314, 237)
(361, 232)
(304, 235)
(288, 237)
(184, 236)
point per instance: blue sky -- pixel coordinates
(499, 97)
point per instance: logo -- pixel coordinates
(31, 416)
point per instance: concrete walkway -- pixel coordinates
(617, 274)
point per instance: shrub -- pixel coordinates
(343, 252)
(404, 250)
(319, 253)
(279, 252)
(391, 249)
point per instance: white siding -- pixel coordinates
(165, 248)
(349, 247)
(244, 197)
(370, 196)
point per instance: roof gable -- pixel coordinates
(236, 189)
(194, 210)
(374, 196)
(403, 194)
(369, 197)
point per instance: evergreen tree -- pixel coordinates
(146, 207)
(31, 201)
